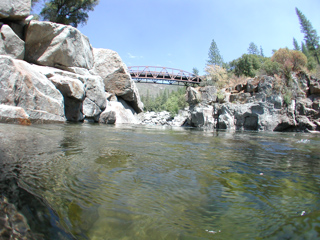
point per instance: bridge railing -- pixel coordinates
(154, 73)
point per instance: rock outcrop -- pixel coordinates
(117, 80)
(14, 9)
(10, 43)
(258, 105)
(57, 45)
(22, 86)
(49, 72)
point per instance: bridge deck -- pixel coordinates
(162, 75)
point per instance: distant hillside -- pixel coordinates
(155, 89)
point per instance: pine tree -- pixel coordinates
(253, 49)
(310, 35)
(304, 49)
(296, 45)
(261, 51)
(214, 55)
(195, 71)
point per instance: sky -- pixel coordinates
(178, 33)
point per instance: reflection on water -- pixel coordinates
(106, 182)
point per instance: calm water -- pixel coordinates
(106, 182)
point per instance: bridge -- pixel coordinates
(163, 75)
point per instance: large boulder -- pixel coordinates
(10, 43)
(315, 86)
(12, 114)
(193, 96)
(84, 95)
(117, 80)
(118, 112)
(202, 116)
(15, 9)
(57, 45)
(23, 86)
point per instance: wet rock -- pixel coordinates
(118, 112)
(12, 114)
(108, 117)
(202, 116)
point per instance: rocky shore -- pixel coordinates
(50, 73)
(258, 105)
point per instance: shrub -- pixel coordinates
(289, 60)
(287, 96)
(247, 65)
(270, 68)
(216, 76)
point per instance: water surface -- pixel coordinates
(134, 182)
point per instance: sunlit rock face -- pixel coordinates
(22, 86)
(258, 105)
(10, 43)
(14, 9)
(57, 45)
(116, 77)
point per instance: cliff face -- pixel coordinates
(262, 104)
(50, 73)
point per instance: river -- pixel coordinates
(94, 181)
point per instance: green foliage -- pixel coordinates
(296, 45)
(261, 52)
(247, 65)
(214, 55)
(253, 49)
(69, 12)
(270, 68)
(287, 96)
(310, 35)
(195, 71)
(165, 101)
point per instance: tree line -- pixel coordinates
(304, 56)
(165, 101)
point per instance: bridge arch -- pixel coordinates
(163, 75)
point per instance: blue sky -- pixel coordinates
(178, 33)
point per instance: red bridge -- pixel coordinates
(163, 75)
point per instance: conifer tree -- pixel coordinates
(195, 71)
(214, 55)
(296, 45)
(310, 35)
(253, 49)
(261, 51)
(304, 49)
